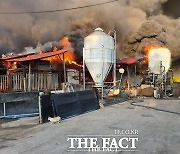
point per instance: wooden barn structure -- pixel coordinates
(32, 72)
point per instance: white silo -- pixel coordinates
(160, 76)
(99, 55)
(159, 60)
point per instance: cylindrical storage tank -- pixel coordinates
(159, 60)
(99, 55)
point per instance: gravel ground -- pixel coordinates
(158, 130)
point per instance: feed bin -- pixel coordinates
(99, 55)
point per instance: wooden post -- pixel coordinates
(29, 78)
(84, 73)
(128, 77)
(84, 76)
(64, 68)
(24, 78)
(79, 76)
(4, 106)
(9, 82)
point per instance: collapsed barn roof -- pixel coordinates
(127, 61)
(16, 56)
(37, 56)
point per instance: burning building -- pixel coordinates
(137, 23)
(43, 71)
(60, 68)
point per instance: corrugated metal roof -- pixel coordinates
(16, 56)
(38, 56)
(127, 61)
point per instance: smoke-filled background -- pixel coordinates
(137, 22)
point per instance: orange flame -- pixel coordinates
(69, 56)
(11, 65)
(147, 49)
(55, 49)
(40, 52)
(8, 64)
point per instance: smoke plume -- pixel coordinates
(149, 33)
(137, 22)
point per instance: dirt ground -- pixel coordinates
(157, 122)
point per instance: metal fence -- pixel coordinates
(29, 82)
(68, 104)
(19, 104)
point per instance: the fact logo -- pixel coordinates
(122, 140)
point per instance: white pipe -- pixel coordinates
(114, 69)
(114, 65)
(40, 112)
(102, 88)
(120, 80)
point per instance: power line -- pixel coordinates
(58, 10)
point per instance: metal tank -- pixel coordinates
(159, 60)
(160, 73)
(99, 55)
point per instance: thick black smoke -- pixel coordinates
(171, 8)
(77, 34)
(149, 33)
(125, 16)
